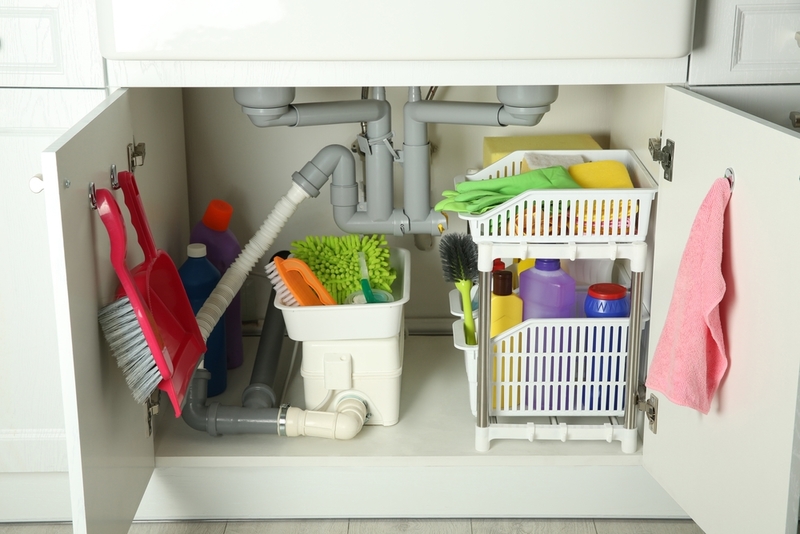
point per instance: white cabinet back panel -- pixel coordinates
(49, 43)
(251, 167)
(735, 469)
(316, 30)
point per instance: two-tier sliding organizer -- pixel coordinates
(560, 369)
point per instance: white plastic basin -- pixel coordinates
(409, 30)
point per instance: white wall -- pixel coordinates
(251, 167)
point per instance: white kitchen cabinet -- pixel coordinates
(322, 31)
(732, 471)
(326, 44)
(33, 451)
(50, 43)
(746, 43)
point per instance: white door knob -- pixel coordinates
(36, 183)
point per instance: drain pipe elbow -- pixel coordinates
(345, 423)
(525, 105)
(333, 160)
(194, 411)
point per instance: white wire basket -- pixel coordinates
(567, 215)
(554, 367)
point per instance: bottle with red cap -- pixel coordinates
(222, 249)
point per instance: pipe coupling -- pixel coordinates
(282, 411)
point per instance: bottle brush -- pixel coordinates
(460, 265)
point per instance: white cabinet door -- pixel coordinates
(749, 42)
(736, 469)
(110, 452)
(49, 43)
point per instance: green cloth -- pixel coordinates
(482, 195)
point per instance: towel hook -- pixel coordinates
(730, 176)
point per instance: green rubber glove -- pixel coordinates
(485, 201)
(548, 178)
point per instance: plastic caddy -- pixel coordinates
(567, 215)
(354, 350)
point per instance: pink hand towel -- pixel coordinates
(690, 358)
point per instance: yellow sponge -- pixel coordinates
(604, 174)
(495, 148)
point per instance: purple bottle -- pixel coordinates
(546, 291)
(222, 250)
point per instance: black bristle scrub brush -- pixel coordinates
(460, 265)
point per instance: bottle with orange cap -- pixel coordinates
(222, 249)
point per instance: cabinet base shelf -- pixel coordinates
(558, 431)
(425, 466)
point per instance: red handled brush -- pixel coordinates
(150, 328)
(127, 323)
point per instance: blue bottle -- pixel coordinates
(607, 300)
(199, 279)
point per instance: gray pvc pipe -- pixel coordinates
(337, 162)
(468, 113)
(257, 415)
(322, 113)
(416, 148)
(379, 165)
(521, 105)
(260, 392)
(217, 419)
(268, 113)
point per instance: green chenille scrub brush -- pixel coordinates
(460, 265)
(335, 261)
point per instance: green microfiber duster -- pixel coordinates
(334, 260)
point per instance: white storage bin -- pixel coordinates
(370, 370)
(554, 367)
(354, 350)
(567, 215)
(353, 321)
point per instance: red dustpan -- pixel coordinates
(162, 292)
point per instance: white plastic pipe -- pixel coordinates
(345, 423)
(231, 282)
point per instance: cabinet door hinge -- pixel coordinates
(794, 117)
(663, 155)
(153, 403)
(136, 153)
(650, 409)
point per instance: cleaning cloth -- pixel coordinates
(690, 359)
(479, 196)
(538, 160)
